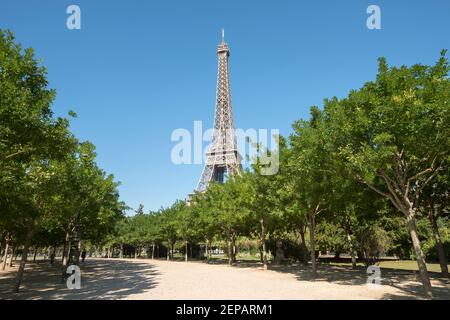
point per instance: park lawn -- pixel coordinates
(409, 265)
(398, 265)
(240, 257)
(393, 264)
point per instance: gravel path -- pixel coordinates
(159, 279)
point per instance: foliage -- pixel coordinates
(367, 175)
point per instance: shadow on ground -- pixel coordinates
(407, 282)
(100, 279)
(118, 279)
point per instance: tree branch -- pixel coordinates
(18, 152)
(393, 195)
(383, 174)
(419, 188)
(360, 179)
(415, 177)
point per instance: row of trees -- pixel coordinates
(367, 174)
(51, 190)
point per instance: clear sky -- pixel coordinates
(137, 70)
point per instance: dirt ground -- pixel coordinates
(159, 279)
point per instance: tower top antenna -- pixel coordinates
(223, 35)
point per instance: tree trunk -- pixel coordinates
(153, 251)
(438, 242)
(5, 256)
(69, 248)
(230, 255)
(64, 254)
(207, 250)
(312, 240)
(173, 250)
(347, 228)
(419, 255)
(11, 264)
(74, 254)
(264, 255)
(303, 246)
(35, 253)
(64, 258)
(408, 207)
(233, 248)
(53, 254)
(263, 244)
(168, 250)
(352, 250)
(186, 251)
(2, 243)
(23, 261)
(121, 251)
(64, 250)
(1, 251)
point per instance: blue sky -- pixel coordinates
(137, 70)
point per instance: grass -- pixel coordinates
(410, 265)
(397, 264)
(241, 256)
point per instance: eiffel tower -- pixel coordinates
(223, 158)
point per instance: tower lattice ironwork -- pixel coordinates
(223, 158)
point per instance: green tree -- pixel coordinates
(393, 133)
(262, 199)
(310, 167)
(30, 138)
(435, 204)
(168, 228)
(228, 209)
(185, 223)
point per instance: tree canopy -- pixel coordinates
(367, 175)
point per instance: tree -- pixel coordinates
(373, 241)
(436, 204)
(291, 216)
(227, 207)
(206, 227)
(351, 208)
(185, 224)
(393, 134)
(310, 167)
(168, 228)
(140, 209)
(263, 199)
(30, 137)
